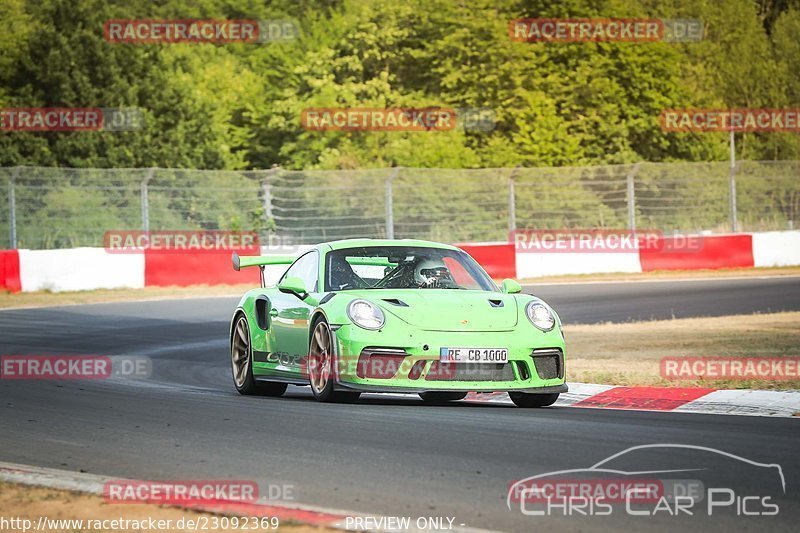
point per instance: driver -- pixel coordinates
(432, 273)
(342, 275)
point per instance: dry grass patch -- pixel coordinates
(44, 298)
(630, 354)
(28, 502)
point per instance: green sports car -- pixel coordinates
(405, 316)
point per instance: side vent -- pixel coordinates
(395, 301)
(262, 312)
(496, 303)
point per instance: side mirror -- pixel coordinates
(293, 285)
(510, 286)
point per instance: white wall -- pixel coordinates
(77, 269)
(532, 265)
(776, 248)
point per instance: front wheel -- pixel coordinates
(441, 398)
(524, 399)
(322, 365)
(241, 359)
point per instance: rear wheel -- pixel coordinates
(241, 364)
(322, 365)
(523, 399)
(440, 398)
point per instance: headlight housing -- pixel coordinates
(540, 316)
(365, 314)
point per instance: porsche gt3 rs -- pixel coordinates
(367, 315)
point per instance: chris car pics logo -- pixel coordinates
(683, 480)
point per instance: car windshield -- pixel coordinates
(403, 267)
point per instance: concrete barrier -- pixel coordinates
(532, 265)
(94, 268)
(776, 248)
(9, 271)
(497, 259)
(79, 269)
(707, 252)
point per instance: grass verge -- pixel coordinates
(630, 354)
(44, 298)
(30, 503)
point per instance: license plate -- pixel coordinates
(473, 355)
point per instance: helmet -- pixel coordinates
(432, 273)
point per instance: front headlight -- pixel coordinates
(365, 314)
(540, 316)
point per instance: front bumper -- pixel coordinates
(555, 389)
(535, 361)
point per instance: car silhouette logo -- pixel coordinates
(614, 466)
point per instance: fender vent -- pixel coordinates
(395, 301)
(496, 303)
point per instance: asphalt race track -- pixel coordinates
(659, 300)
(394, 457)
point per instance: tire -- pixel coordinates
(322, 367)
(441, 398)
(523, 399)
(242, 367)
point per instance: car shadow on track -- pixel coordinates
(411, 400)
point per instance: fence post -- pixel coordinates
(12, 210)
(732, 186)
(145, 201)
(389, 202)
(512, 203)
(631, 197)
(266, 189)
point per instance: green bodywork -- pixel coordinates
(280, 329)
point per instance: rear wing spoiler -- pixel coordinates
(260, 261)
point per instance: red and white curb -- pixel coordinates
(673, 399)
(284, 511)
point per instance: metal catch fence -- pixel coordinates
(63, 207)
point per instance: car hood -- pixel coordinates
(447, 309)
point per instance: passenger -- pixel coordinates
(342, 275)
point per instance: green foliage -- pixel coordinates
(237, 106)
